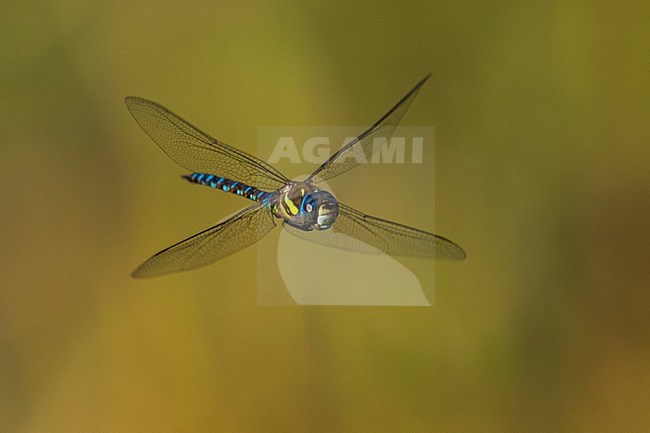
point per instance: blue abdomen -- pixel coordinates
(227, 185)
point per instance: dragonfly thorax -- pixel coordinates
(304, 206)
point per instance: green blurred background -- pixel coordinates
(542, 156)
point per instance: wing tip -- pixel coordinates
(139, 273)
(455, 253)
(421, 82)
(146, 271)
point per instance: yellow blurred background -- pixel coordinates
(542, 156)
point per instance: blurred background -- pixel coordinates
(542, 158)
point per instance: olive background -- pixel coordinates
(541, 115)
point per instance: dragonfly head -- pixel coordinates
(319, 209)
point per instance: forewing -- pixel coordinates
(197, 151)
(235, 233)
(358, 232)
(362, 147)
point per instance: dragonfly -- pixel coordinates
(303, 209)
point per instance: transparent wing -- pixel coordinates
(197, 151)
(235, 233)
(361, 148)
(358, 232)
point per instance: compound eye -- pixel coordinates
(319, 209)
